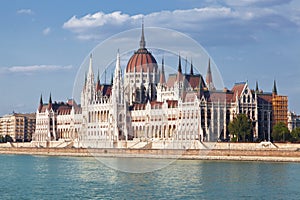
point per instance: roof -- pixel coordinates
(104, 89)
(142, 60)
(193, 80)
(171, 80)
(265, 98)
(62, 108)
(221, 96)
(238, 88)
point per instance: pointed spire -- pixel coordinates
(192, 70)
(50, 102)
(98, 82)
(41, 100)
(41, 103)
(142, 41)
(274, 91)
(209, 80)
(256, 87)
(179, 64)
(98, 77)
(118, 65)
(90, 72)
(162, 79)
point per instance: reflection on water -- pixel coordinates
(32, 177)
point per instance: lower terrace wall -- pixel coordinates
(215, 154)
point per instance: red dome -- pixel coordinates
(141, 60)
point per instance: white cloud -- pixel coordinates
(230, 24)
(34, 68)
(47, 31)
(95, 20)
(95, 26)
(25, 11)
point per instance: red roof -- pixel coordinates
(104, 89)
(267, 98)
(142, 60)
(237, 89)
(62, 108)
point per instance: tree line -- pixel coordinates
(241, 130)
(6, 138)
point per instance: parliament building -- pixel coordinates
(144, 107)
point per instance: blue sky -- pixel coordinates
(43, 43)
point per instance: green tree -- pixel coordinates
(281, 132)
(8, 138)
(295, 135)
(241, 128)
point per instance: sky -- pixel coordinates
(44, 43)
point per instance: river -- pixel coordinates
(51, 177)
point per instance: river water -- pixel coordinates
(43, 177)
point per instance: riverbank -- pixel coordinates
(270, 155)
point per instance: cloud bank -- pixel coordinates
(233, 22)
(25, 11)
(34, 68)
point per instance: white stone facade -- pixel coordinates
(142, 105)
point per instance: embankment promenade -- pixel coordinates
(278, 152)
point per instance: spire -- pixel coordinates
(142, 41)
(179, 65)
(50, 102)
(118, 65)
(192, 70)
(162, 79)
(90, 72)
(209, 80)
(98, 78)
(98, 82)
(41, 103)
(41, 100)
(256, 87)
(274, 91)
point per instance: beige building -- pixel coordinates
(19, 127)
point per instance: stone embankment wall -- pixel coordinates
(271, 154)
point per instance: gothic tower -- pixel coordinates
(118, 104)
